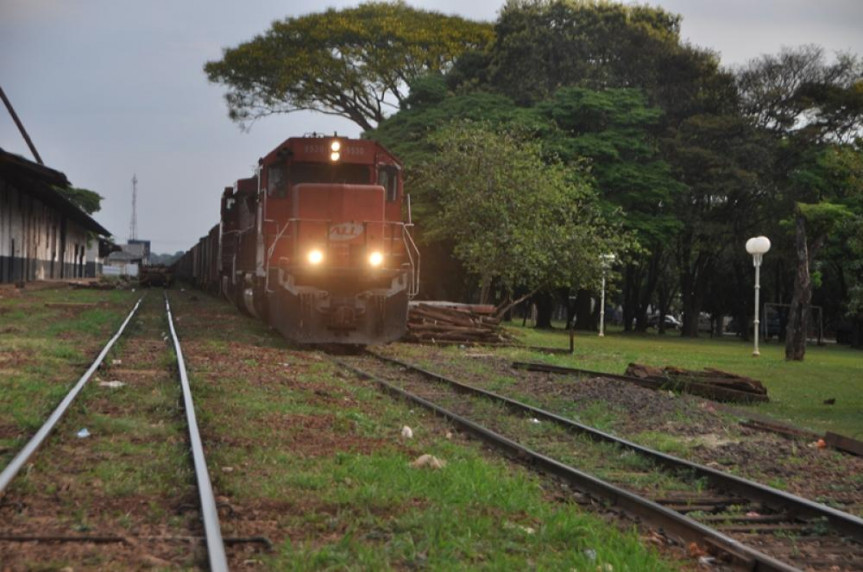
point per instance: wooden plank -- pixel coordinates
(844, 443)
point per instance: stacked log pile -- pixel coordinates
(447, 322)
(676, 376)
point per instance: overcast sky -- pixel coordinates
(112, 88)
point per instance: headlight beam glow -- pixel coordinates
(376, 259)
(315, 257)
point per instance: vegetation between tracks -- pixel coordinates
(47, 340)
(797, 390)
(117, 463)
(312, 458)
(685, 426)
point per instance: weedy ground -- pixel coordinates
(682, 425)
(313, 458)
(299, 452)
(797, 390)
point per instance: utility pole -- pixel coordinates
(133, 224)
(20, 126)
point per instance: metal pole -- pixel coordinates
(20, 126)
(756, 260)
(602, 308)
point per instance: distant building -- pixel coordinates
(42, 234)
(127, 259)
(122, 263)
(139, 247)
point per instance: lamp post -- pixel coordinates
(605, 261)
(757, 247)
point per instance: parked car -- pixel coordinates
(671, 323)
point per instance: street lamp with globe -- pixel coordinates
(757, 247)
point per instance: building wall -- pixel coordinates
(36, 241)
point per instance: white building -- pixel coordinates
(42, 234)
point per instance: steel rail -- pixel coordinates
(670, 521)
(843, 522)
(209, 512)
(36, 441)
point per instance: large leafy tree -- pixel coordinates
(807, 105)
(718, 160)
(542, 45)
(834, 225)
(614, 130)
(354, 63)
(518, 221)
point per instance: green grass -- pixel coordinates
(324, 448)
(44, 350)
(797, 390)
(384, 514)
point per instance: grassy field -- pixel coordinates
(797, 390)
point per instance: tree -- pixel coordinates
(542, 45)
(806, 104)
(353, 63)
(613, 130)
(517, 221)
(718, 159)
(835, 174)
(88, 201)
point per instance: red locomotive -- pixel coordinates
(315, 243)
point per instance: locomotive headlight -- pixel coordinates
(334, 156)
(315, 257)
(376, 259)
(335, 146)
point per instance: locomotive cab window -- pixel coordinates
(341, 174)
(388, 178)
(277, 181)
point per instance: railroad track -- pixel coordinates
(144, 345)
(738, 523)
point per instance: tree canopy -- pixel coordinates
(543, 45)
(88, 201)
(516, 219)
(354, 63)
(808, 106)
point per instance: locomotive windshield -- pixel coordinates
(280, 176)
(344, 173)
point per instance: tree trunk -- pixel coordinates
(798, 314)
(584, 317)
(485, 289)
(693, 287)
(544, 310)
(628, 297)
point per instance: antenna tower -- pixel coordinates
(133, 224)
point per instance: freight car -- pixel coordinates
(315, 243)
